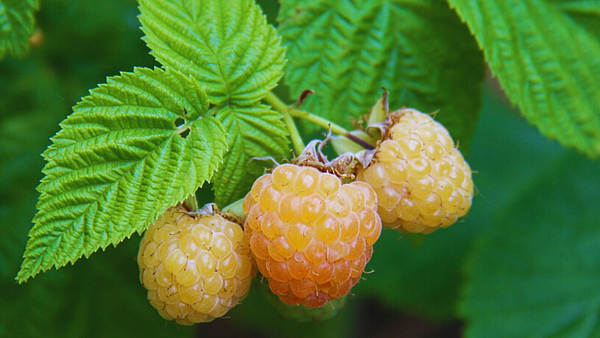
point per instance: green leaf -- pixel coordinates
(536, 272)
(237, 57)
(134, 147)
(347, 50)
(16, 26)
(545, 54)
(226, 45)
(255, 131)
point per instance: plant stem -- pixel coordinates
(322, 122)
(281, 107)
(336, 129)
(192, 203)
(291, 111)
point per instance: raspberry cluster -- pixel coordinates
(310, 234)
(195, 268)
(422, 181)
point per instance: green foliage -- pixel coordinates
(228, 47)
(103, 296)
(16, 26)
(530, 241)
(134, 147)
(142, 142)
(347, 50)
(545, 54)
(536, 273)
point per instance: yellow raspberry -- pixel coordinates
(310, 234)
(422, 181)
(195, 268)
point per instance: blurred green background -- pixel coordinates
(525, 262)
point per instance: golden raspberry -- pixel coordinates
(310, 234)
(195, 268)
(422, 181)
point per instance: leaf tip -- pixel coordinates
(24, 274)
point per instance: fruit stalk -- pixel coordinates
(192, 202)
(281, 107)
(335, 129)
(289, 112)
(322, 122)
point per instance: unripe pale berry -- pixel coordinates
(310, 234)
(195, 268)
(422, 181)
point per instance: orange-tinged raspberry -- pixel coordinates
(314, 236)
(422, 181)
(195, 268)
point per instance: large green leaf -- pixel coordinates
(347, 50)
(227, 45)
(537, 272)
(16, 26)
(230, 49)
(255, 131)
(545, 54)
(131, 149)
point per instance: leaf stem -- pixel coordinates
(336, 129)
(192, 202)
(318, 120)
(284, 109)
(292, 111)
